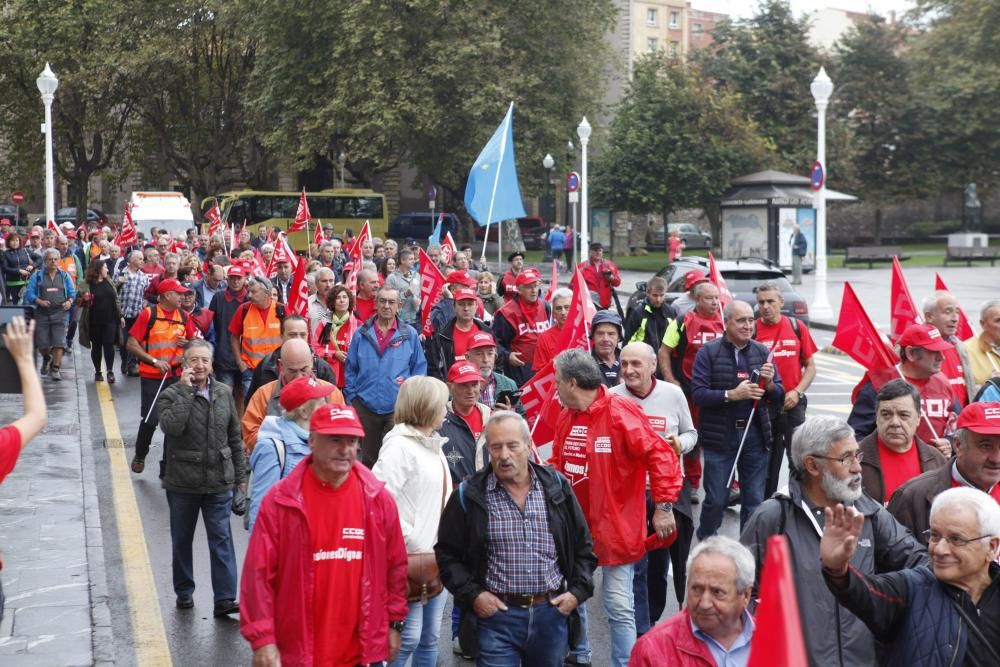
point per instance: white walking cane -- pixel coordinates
(732, 473)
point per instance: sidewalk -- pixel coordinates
(50, 534)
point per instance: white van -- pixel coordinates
(165, 210)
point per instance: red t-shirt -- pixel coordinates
(897, 468)
(364, 308)
(337, 535)
(474, 420)
(461, 340)
(790, 350)
(951, 366)
(575, 464)
(994, 492)
(10, 449)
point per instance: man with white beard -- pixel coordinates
(826, 464)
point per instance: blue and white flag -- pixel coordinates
(435, 237)
(493, 193)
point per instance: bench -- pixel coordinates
(970, 254)
(873, 253)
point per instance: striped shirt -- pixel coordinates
(522, 552)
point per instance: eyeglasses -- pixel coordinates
(846, 459)
(933, 537)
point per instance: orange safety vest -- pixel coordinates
(68, 264)
(161, 341)
(261, 335)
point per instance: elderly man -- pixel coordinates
(919, 615)
(204, 464)
(319, 313)
(827, 467)
(893, 453)
(686, 301)
(52, 292)
(793, 348)
(976, 464)
(225, 303)
(548, 341)
(606, 448)
(666, 409)
(941, 310)
(514, 549)
(131, 284)
(921, 349)
(648, 320)
(731, 376)
(496, 387)
(688, 333)
(171, 265)
(450, 343)
(283, 280)
(507, 285)
(255, 330)
(293, 326)
(984, 347)
(213, 282)
(364, 304)
(384, 351)
(463, 424)
(332, 528)
(715, 627)
(517, 325)
(606, 335)
(601, 275)
(407, 281)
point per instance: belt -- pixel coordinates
(523, 599)
(741, 423)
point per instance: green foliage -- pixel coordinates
(675, 141)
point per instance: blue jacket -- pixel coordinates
(374, 378)
(31, 291)
(556, 240)
(264, 464)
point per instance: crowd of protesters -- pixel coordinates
(384, 458)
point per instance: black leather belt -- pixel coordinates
(741, 423)
(524, 600)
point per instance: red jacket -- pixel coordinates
(671, 643)
(617, 474)
(276, 590)
(593, 275)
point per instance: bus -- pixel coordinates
(344, 208)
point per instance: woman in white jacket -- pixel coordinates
(415, 472)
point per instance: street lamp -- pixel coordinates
(47, 84)
(822, 88)
(548, 163)
(583, 131)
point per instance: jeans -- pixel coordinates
(535, 636)
(752, 469)
(619, 606)
(640, 591)
(421, 633)
(128, 361)
(234, 378)
(215, 509)
(147, 391)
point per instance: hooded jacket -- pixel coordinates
(276, 588)
(265, 465)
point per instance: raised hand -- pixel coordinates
(840, 537)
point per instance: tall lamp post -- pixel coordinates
(583, 131)
(822, 88)
(570, 210)
(548, 163)
(47, 84)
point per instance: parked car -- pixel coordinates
(14, 213)
(533, 232)
(742, 276)
(95, 218)
(691, 234)
(419, 226)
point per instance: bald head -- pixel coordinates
(638, 366)
(296, 360)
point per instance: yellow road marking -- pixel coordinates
(148, 634)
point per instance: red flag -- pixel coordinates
(354, 251)
(127, 235)
(284, 253)
(777, 637)
(298, 292)
(714, 277)
(213, 217)
(903, 311)
(859, 338)
(318, 235)
(964, 330)
(576, 330)
(244, 227)
(542, 404)
(448, 249)
(554, 282)
(302, 216)
(258, 259)
(431, 284)
(51, 224)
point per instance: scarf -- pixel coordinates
(335, 324)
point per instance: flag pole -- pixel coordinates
(493, 195)
(927, 420)
(308, 241)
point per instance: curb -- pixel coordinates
(102, 639)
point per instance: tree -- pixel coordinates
(675, 142)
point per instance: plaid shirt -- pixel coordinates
(132, 292)
(522, 552)
(488, 396)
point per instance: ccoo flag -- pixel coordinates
(492, 193)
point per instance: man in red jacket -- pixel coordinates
(601, 275)
(324, 581)
(606, 448)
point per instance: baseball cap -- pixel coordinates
(692, 278)
(67, 225)
(236, 270)
(70, 234)
(5, 221)
(982, 417)
(188, 284)
(597, 245)
(460, 277)
(926, 336)
(527, 277)
(336, 420)
(464, 293)
(481, 339)
(170, 285)
(463, 371)
(303, 389)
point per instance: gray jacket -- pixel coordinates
(834, 635)
(203, 444)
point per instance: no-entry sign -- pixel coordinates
(573, 182)
(17, 197)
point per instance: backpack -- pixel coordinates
(279, 450)
(153, 318)
(279, 310)
(994, 382)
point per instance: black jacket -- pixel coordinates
(440, 350)
(645, 324)
(267, 371)
(12, 260)
(462, 550)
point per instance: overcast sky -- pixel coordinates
(746, 8)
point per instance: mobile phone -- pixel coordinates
(508, 396)
(755, 376)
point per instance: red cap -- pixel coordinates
(692, 278)
(460, 278)
(464, 293)
(981, 418)
(481, 339)
(236, 270)
(336, 420)
(34, 232)
(528, 277)
(171, 285)
(303, 389)
(926, 336)
(70, 234)
(5, 221)
(463, 371)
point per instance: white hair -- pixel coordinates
(561, 293)
(740, 556)
(815, 437)
(965, 498)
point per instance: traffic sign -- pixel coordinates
(573, 181)
(432, 192)
(17, 197)
(817, 176)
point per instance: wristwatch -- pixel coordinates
(665, 507)
(396, 625)
(725, 396)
